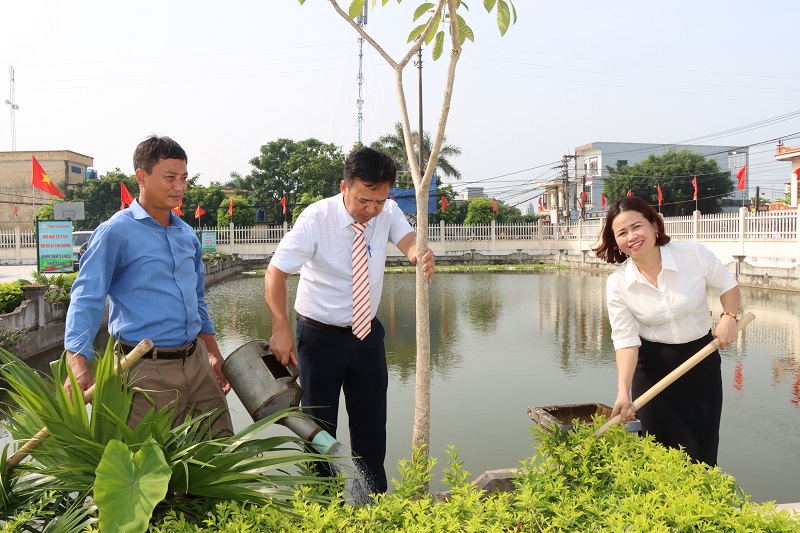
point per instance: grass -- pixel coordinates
(457, 268)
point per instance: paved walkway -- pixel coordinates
(15, 272)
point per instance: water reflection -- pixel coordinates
(501, 342)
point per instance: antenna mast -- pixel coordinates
(362, 21)
(14, 107)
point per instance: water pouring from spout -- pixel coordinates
(266, 387)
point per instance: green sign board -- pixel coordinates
(54, 238)
(209, 241)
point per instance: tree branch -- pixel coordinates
(363, 34)
(455, 54)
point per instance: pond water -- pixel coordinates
(504, 341)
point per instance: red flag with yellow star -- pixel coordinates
(41, 181)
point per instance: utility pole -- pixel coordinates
(757, 198)
(747, 176)
(362, 21)
(14, 107)
(557, 200)
(565, 176)
(418, 64)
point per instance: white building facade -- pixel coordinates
(591, 162)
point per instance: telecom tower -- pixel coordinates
(14, 107)
(362, 21)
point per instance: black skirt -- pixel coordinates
(687, 413)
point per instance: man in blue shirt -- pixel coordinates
(150, 265)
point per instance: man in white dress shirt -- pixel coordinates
(331, 358)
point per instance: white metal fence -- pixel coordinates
(778, 225)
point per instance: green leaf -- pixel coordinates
(503, 16)
(438, 46)
(432, 33)
(421, 10)
(416, 32)
(356, 7)
(489, 5)
(112, 399)
(129, 486)
(464, 31)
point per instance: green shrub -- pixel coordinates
(59, 287)
(131, 473)
(11, 295)
(576, 482)
(214, 257)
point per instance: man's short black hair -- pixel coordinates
(151, 150)
(371, 167)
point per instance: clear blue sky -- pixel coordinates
(96, 77)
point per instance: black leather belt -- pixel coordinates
(317, 324)
(164, 353)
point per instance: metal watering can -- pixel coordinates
(265, 387)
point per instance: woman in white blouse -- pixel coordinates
(659, 314)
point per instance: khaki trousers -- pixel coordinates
(180, 384)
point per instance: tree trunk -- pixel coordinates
(422, 401)
(422, 390)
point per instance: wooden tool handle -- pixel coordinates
(125, 363)
(670, 378)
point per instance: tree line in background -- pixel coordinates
(302, 172)
(305, 171)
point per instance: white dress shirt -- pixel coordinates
(677, 310)
(320, 247)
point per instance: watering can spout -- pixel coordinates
(321, 440)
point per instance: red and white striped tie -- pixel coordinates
(362, 323)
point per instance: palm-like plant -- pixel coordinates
(394, 145)
(127, 472)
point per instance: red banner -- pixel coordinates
(41, 181)
(742, 175)
(125, 196)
